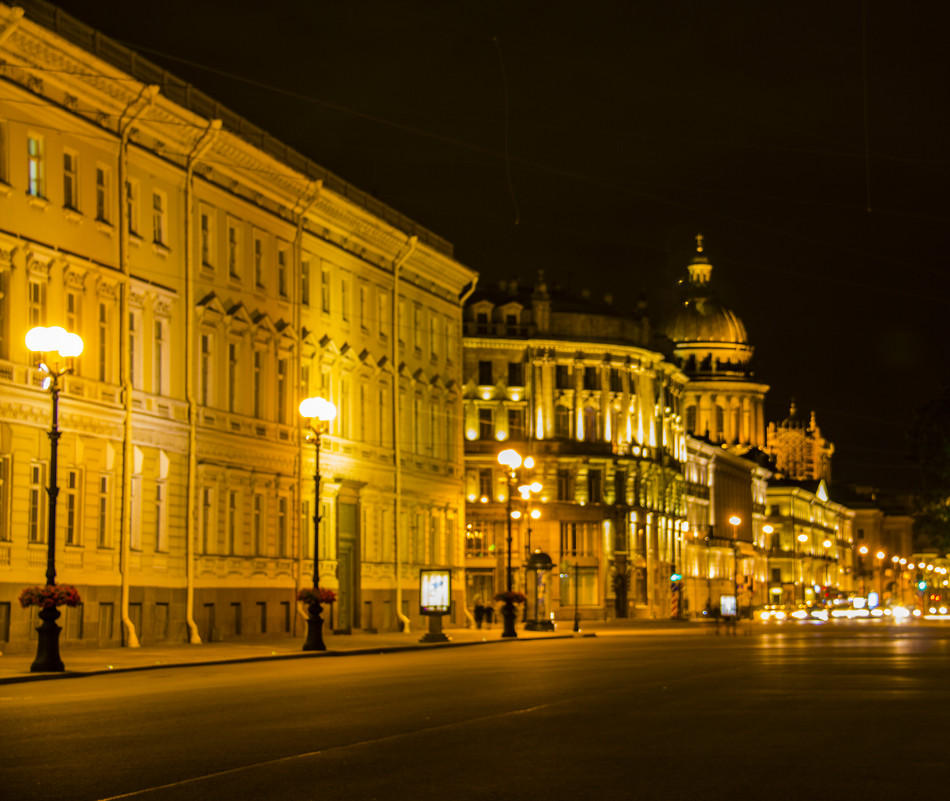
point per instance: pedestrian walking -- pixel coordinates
(479, 613)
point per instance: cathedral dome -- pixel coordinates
(701, 318)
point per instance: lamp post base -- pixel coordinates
(508, 614)
(47, 646)
(314, 641)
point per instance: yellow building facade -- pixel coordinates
(217, 278)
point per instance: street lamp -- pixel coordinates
(320, 412)
(735, 520)
(511, 459)
(526, 491)
(880, 576)
(802, 538)
(862, 552)
(45, 342)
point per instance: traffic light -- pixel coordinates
(921, 585)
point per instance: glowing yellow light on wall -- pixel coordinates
(501, 436)
(471, 433)
(539, 426)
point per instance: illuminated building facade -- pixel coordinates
(217, 278)
(574, 384)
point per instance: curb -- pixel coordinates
(386, 649)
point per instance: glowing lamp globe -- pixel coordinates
(317, 409)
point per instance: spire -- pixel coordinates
(699, 268)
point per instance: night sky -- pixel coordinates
(805, 140)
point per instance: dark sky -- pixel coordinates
(805, 140)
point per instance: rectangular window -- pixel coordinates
(562, 376)
(36, 168)
(234, 251)
(258, 369)
(344, 300)
(207, 527)
(70, 180)
(258, 524)
(325, 290)
(233, 527)
(205, 368)
(4, 139)
(135, 537)
(283, 258)
(104, 536)
(281, 390)
(258, 262)
(486, 423)
(232, 376)
(485, 483)
(305, 283)
(578, 586)
(433, 336)
(207, 238)
(158, 371)
(383, 312)
(595, 485)
(132, 206)
(262, 615)
(103, 181)
(161, 518)
(417, 328)
(135, 349)
(36, 311)
(591, 378)
(565, 485)
(516, 428)
(282, 526)
(72, 508)
(103, 342)
(362, 307)
(35, 518)
(73, 310)
(620, 487)
(485, 375)
(515, 374)
(5, 489)
(159, 221)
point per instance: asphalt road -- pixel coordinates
(795, 712)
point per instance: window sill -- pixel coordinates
(134, 239)
(72, 215)
(160, 249)
(104, 227)
(5, 189)
(37, 202)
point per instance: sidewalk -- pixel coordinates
(15, 668)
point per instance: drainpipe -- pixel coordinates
(200, 148)
(397, 455)
(131, 113)
(305, 203)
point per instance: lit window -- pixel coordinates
(70, 180)
(36, 173)
(158, 218)
(132, 206)
(103, 179)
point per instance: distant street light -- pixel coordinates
(46, 342)
(802, 538)
(320, 412)
(511, 459)
(735, 520)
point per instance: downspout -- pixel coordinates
(305, 204)
(466, 294)
(397, 455)
(145, 98)
(200, 148)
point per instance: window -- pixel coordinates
(281, 390)
(485, 374)
(691, 419)
(3, 152)
(135, 535)
(159, 222)
(35, 518)
(562, 421)
(562, 376)
(72, 508)
(205, 369)
(233, 522)
(565, 485)
(36, 311)
(282, 260)
(516, 428)
(578, 586)
(481, 323)
(232, 376)
(258, 262)
(362, 307)
(485, 482)
(70, 180)
(616, 380)
(325, 290)
(135, 349)
(620, 487)
(591, 378)
(486, 423)
(207, 522)
(258, 547)
(161, 518)
(511, 324)
(417, 328)
(595, 485)
(344, 300)
(104, 536)
(258, 369)
(234, 251)
(73, 310)
(5, 488)
(433, 335)
(515, 374)
(103, 181)
(282, 526)
(719, 423)
(207, 238)
(103, 342)
(305, 283)
(132, 206)
(591, 421)
(36, 172)
(158, 367)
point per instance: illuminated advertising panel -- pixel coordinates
(435, 592)
(727, 605)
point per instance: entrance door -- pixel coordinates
(347, 539)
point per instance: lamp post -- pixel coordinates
(320, 412)
(880, 576)
(526, 491)
(44, 342)
(577, 614)
(511, 459)
(735, 520)
(767, 530)
(802, 538)
(862, 552)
